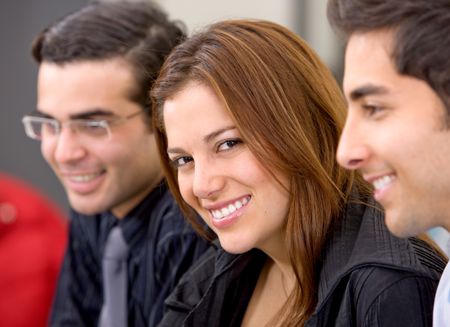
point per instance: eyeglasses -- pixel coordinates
(39, 128)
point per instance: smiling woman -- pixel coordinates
(247, 120)
(220, 177)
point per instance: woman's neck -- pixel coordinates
(275, 284)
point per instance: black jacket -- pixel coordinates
(161, 248)
(368, 278)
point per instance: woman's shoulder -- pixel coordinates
(199, 276)
(216, 280)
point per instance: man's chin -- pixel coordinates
(86, 211)
(86, 206)
(399, 225)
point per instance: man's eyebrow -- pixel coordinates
(365, 90)
(94, 112)
(39, 113)
(206, 138)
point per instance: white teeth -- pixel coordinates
(83, 178)
(382, 182)
(225, 212)
(221, 213)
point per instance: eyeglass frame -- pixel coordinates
(57, 125)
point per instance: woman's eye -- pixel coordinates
(181, 161)
(228, 144)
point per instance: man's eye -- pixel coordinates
(372, 110)
(94, 124)
(92, 127)
(49, 128)
(228, 144)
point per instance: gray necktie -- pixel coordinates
(114, 310)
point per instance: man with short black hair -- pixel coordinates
(397, 133)
(129, 243)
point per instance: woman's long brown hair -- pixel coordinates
(289, 111)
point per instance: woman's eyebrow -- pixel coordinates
(207, 138)
(213, 135)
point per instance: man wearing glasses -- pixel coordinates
(128, 242)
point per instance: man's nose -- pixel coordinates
(68, 146)
(352, 152)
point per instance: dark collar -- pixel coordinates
(234, 264)
(359, 239)
(222, 290)
(134, 224)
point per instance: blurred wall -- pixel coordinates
(305, 17)
(197, 13)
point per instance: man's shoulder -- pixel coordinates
(166, 203)
(167, 215)
(374, 280)
(84, 230)
(381, 294)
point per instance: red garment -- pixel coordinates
(33, 236)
